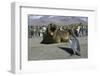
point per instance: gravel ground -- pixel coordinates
(37, 51)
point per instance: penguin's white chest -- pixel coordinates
(72, 44)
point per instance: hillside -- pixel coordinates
(59, 20)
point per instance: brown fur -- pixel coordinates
(54, 35)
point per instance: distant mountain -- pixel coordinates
(59, 20)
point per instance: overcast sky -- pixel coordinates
(35, 17)
(40, 16)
